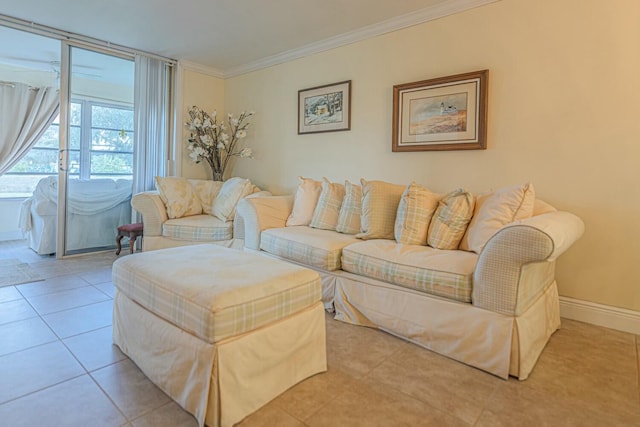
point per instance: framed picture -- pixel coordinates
(325, 108)
(446, 113)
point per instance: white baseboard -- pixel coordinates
(602, 315)
(11, 235)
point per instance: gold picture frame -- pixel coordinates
(445, 113)
(325, 108)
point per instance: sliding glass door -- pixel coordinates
(96, 149)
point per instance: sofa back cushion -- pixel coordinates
(304, 202)
(325, 216)
(450, 220)
(380, 202)
(351, 209)
(495, 210)
(178, 196)
(415, 210)
(207, 191)
(233, 189)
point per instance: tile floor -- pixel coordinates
(59, 368)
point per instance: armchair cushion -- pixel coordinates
(233, 189)
(200, 228)
(207, 191)
(178, 196)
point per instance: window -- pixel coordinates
(100, 146)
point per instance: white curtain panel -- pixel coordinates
(151, 101)
(25, 114)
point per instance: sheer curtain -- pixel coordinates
(25, 114)
(151, 131)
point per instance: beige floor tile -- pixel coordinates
(98, 276)
(12, 311)
(270, 416)
(23, 334)
(52, 285)
(358, 349)
(9, 293)
(65, 300)
(95, 349)
(170, 415)
(370, 404)
(594, 365)
(133, 393)
(513, 404)
(36, 368)
(305, 398)
(107, 288)
(47, 270)
(75, 403)
(82, 319)
(450, 386)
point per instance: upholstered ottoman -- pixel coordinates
(219, 330)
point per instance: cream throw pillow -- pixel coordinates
(305, 201)
(206, 190)
(495, 210)
(450, 220)
(233, 189)
(415, 210)
(380, 202)
(351, 209)
(178, 196)
(327, 210)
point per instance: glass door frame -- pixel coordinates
(63, 153)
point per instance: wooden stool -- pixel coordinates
(132, 231)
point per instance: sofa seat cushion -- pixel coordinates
(203, 228)
(444, 273)
(306, 245)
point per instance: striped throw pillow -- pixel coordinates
(380, 202)
(327, 210)
(415, 210)
(349, 218)
(450, 220)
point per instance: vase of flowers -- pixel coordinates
(216, 143)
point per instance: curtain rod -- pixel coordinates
(43, 30)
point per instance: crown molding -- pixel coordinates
(410, 19)
(202, 69)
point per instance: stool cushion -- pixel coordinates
(128, 228)
(213, 292)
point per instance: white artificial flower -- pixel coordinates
(206, 139)
(246, 152)
(229, 115)
(206, 123)
(241, 134)
(224, 137)
(197, 122)
(221, 146)
(234, 122)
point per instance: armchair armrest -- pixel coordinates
(238, 220)
(153, 211)
(262, 213)
(518, 262)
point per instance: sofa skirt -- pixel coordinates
(499, 344)
(221, 383)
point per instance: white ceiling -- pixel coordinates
(225, 35)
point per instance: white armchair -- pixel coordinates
(95, 209)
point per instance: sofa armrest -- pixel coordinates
(153, 211)
(238, 220)
(262, 213)
(518, 262)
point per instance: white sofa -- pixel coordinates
(161, 231)
(499, 321)
(95, 209)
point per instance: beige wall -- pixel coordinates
(563, 114)
(206, 92)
